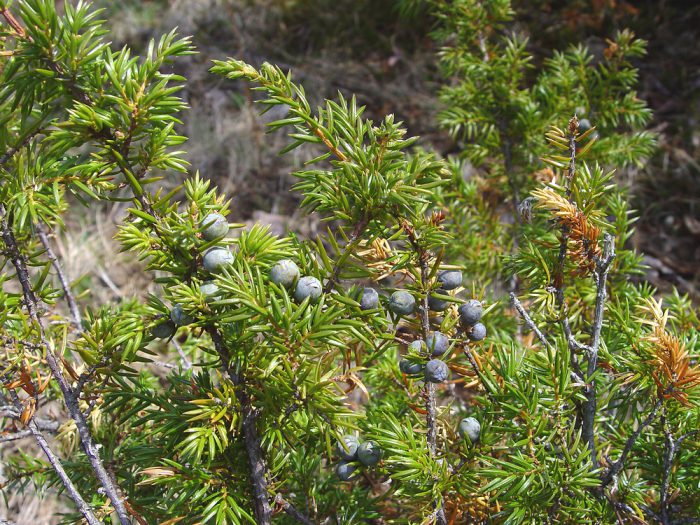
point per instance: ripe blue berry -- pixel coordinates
(345, 471)
(478, 332)
(369, 299)
(217, 258)
(369, 453)
(215, 226)
(347, 447)
(308, 287)
(450, 279)
(409, 367)
(209, 289)
(402, 302)
(164, 330)
(284, 273)
(470, 313)
(470, 428)
(437, 305)
(438, 343)
(179, 317)
(436, 371)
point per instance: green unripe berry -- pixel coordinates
(347, 447)
(470, 313)
(437, 343)
(345, 471)
(409, 367)
(436, 371)
(437, 305)
(285, 273)
(215, 226)
(402, 302)
(369, 299)
(450, 279)
(369, 453)
(164, 330)
(215, 259)
(308, 287)
(179, 317)
(478, 332)
(209, 290)
(470, 428)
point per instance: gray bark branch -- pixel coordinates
(69, 395)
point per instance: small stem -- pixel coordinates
(186, 363)
(528, 320)
(12, 21)
(42, 426)
(349, 248)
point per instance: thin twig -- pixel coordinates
(528, 320)
(352, 243)
(69, 395)
(83, 507)
(67, 293)
(600, 275)
(11, 151)
(618, 465)
(42, 426)
(12, 21)
(184, 360)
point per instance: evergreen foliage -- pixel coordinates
(579, 404)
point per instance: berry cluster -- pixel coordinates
(213, 227)
(354, 454)
(286, 273)
(436, 343)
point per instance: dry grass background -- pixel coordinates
(352, 46)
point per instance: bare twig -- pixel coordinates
(67, 293)
(83, 507)
(600, 275)
(69, 395)
(528, 320)
(42, 426)
(614, 469)
(186, 363)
